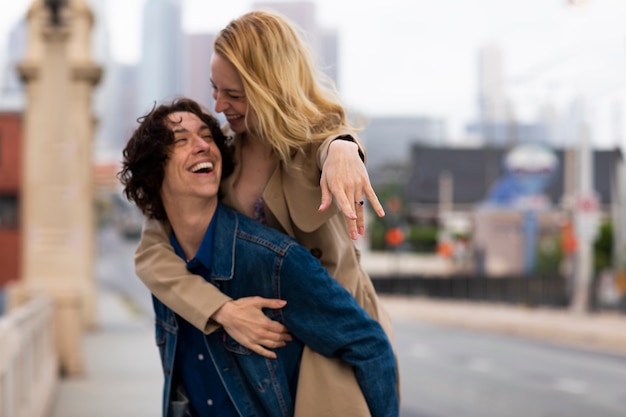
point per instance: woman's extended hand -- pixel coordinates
(345, 178)
(244, 321)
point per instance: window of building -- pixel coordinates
(9, 212)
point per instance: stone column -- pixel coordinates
(58, 218)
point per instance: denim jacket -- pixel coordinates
(249, 259)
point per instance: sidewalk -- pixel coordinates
(599, 331)
(123, 375)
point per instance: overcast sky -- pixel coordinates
(408, 57)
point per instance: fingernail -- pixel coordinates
(361, 230)
(353, 235)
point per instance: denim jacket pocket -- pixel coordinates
(234, 346)
(259, 370)
(165, 336)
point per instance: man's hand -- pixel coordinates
(244, 321)
(345, 178)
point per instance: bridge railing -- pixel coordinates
(29, 364)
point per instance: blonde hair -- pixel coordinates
(293, 102)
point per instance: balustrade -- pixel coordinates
(29, 364)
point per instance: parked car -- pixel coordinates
(128, 219)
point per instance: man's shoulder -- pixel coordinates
(250, 229)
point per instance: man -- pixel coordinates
(172, 168)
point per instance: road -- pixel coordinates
(450, 372)
(447, 372)
(116, 271)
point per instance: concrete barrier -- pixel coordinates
(29, 364)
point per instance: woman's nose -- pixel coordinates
(220, 104)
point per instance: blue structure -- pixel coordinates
(527, 172)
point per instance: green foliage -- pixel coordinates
(376, 230)
(549, 255)
(603, 247)
(423, 238)
(395, 215)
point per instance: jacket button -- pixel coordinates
(316, 252)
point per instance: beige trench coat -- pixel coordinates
(326, 387)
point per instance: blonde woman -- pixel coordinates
(293, 148)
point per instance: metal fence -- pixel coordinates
(550, 291)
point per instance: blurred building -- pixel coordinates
(324, 42)
(467, 179)
(493, 105)
(107, 104)
(11, 87)
(119, 119)
(509, 133)
(10, 181)
(474, 171)
(388, 142)
(496, 123)
(197, 59)
(161, 64)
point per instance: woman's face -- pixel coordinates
(228, 93)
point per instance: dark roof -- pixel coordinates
(475, 170)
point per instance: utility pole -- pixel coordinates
(586, 216)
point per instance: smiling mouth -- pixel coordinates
(202, 167)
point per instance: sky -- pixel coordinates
(419, 57)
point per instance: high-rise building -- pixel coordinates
(120, 117)
(388, 140)
(492, 100)
(11, 88)
(197, 71)
(323, 42)
(161, 64)
(105, 101)
(496, 123)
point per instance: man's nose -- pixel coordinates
(201, 145)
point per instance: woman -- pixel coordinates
(287, 125)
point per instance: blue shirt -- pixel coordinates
(204, 388)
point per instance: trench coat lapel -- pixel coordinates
(275, 202)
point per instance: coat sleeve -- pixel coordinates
(324, 316)
(167, 277)
(322, 152)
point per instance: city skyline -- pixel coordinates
(420, 59)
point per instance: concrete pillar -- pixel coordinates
(58, 218)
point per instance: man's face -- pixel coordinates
(194, 168)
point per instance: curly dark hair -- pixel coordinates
(149, 148)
